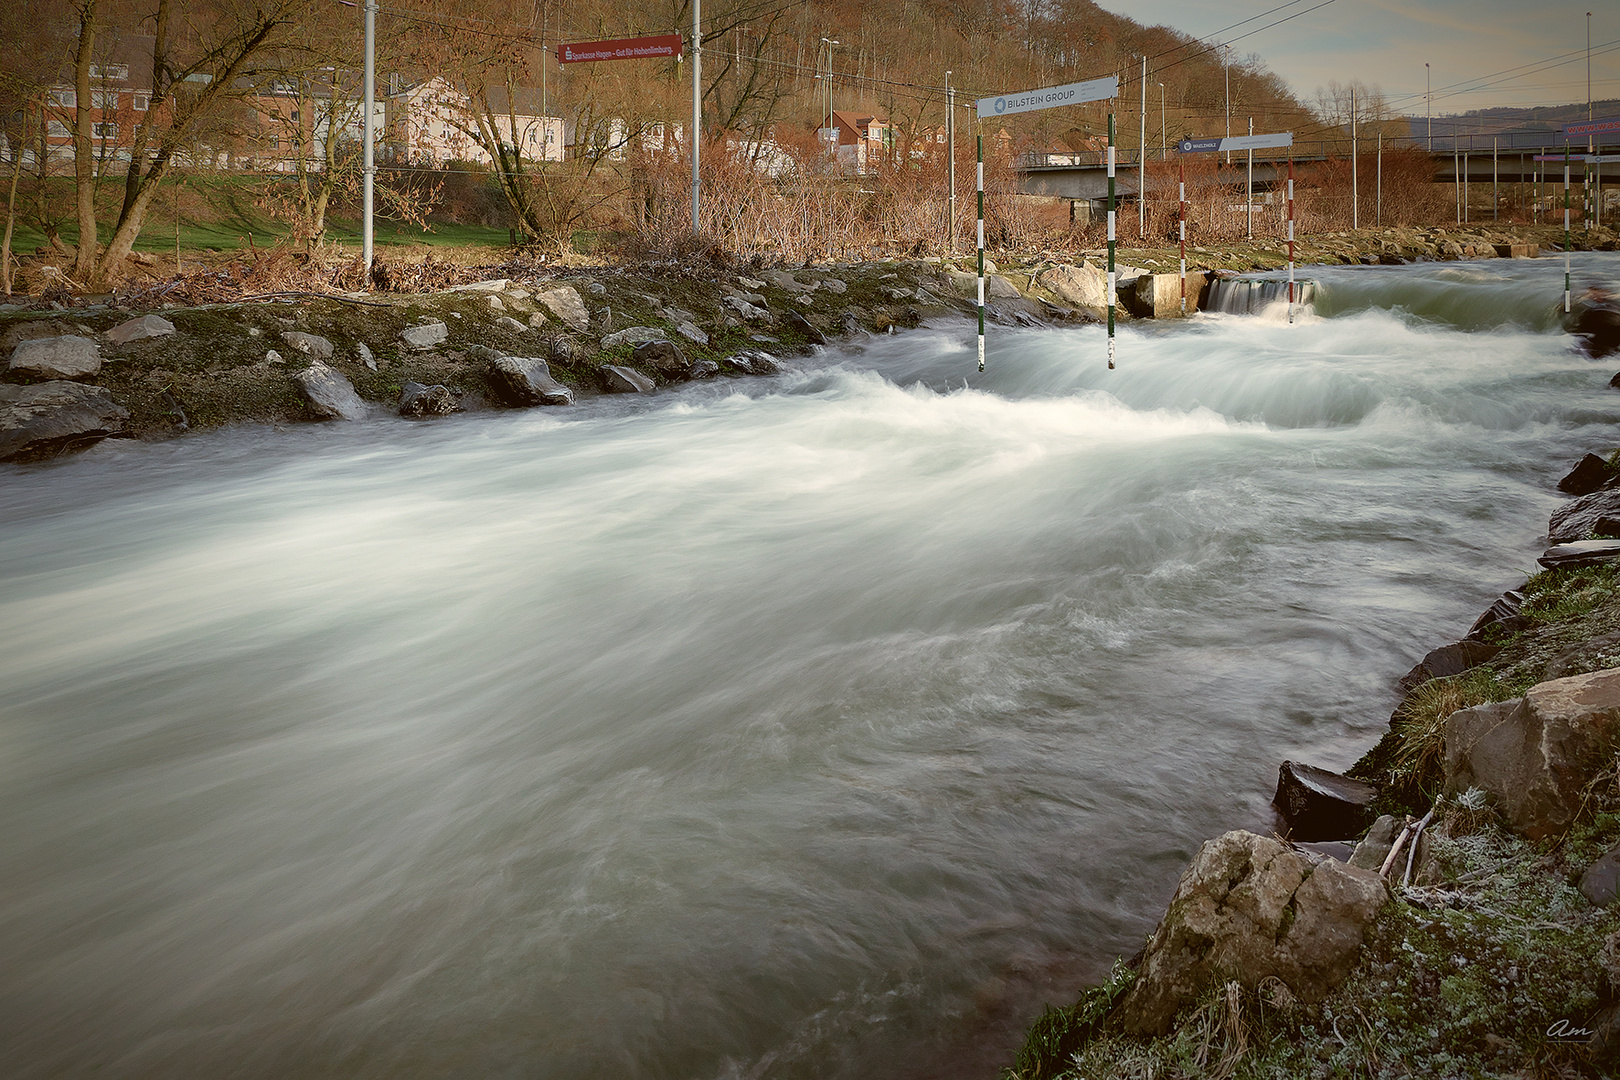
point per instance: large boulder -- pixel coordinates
(330, 395)
(1322, 805)
(566, 303)
(1535, 755)
(147, 326)
(1158, 296)
(1249, 908)
(525, 381)
(1578, 518)
(747, 309)
(811, 332)
(45, 418)
(755, 362)
(1589, 474)
(66, 357)
(1084, 285)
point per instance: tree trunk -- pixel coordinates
(84, 175)
(11, 217)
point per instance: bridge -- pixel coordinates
(1079, 178)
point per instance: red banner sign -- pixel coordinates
(645, 48)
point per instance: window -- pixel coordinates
(66, 99)
(57, 130)
(141, 101)
(104, 99)
(104, 131)
(111, 72)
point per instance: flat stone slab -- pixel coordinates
(566, 303)
(66, 357)
(1601, 882)
(425, 336)
(47, 417)
(1446, 661)
(147, 326)
(312, 345)
(633, 335)
(1580, 553)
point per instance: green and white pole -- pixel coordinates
(1110, 298)
(981, 252)
(1567, 240)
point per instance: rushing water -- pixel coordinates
(820, 726)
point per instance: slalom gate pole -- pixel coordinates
(1182, 161)
(1567, 240)
(1290, 237)
(1112, 296)
(981, 252)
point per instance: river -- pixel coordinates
(817, 726)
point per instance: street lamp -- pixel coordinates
(1164, 150)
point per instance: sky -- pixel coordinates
(1385, 43)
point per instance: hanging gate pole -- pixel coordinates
(981, 252)
(1290, 237)
(1181, 160)
(1112, 296)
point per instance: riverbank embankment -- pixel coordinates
(218, 348)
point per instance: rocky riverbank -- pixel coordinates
(1471, 928)
(146, 366)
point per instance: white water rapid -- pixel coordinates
(823, 726)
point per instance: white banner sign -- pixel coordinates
(1049, 97)
(1258, 142)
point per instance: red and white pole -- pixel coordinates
(1182, 161)
(1290, 237)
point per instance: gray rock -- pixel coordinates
(493, 285)
(998, 288)
(560, 349)
(596, 288)
(147, 326)
(785, 281)
(1446, 661)
(692, 332)
(566, 303)
(623, 380)
(1374, 847)
(1503, 612)
(750, 283)
(665, 357)
(366, 358)
(272, 357)
(525, 381)
(832, 285)
(1084, 285)
(66, 357)
(47, 418)
(417, 401)
(1535, 755)
(1247, 909)
(1578, 518)
(1321, 805)
(488, 354)
(497, 304)
(705, 369)
(633, 335)
(312, 345)
(798, 322)
(755, 362)
(1601, 882)
(425, 336)
(747, 309)
(330, 395)
(1589, 474)
(506, 322)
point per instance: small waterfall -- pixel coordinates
(1250, 296)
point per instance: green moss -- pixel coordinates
(1055, 1037)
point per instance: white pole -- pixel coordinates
(697, 102)
(368, 162)
(1248, 190)
(1290, 236)
(1164, 147)
(1495, 216)
(1141, 163)
(1113, 295)
(1355, 185)
(1226, 70)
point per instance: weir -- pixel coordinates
(1250, 296)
